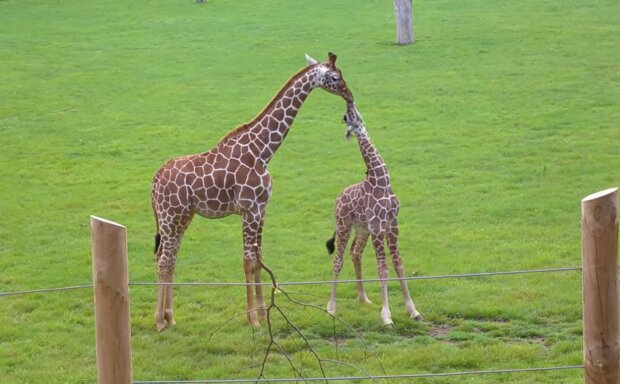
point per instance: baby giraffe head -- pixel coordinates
(354, 121)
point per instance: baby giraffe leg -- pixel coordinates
(392, 240)
(357, 249)
(378, 240)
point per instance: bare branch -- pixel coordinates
(312, 351)
(336, 318)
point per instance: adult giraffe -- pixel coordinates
(371, 208)
(231, 178)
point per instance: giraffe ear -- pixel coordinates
(310, 60)
(332, 58)
(347, 134)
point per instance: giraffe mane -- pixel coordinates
(241, 128)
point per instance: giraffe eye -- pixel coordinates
(335, 77)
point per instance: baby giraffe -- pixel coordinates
(371, 208)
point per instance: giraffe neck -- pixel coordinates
(375, 166)
(266, 132)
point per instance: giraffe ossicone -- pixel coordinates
(232, 178)
(370, 208)
(310, 60)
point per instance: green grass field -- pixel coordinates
(494, 125)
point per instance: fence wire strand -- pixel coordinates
(319, 282)
(374, 377)
(375, 280)
(45, 290)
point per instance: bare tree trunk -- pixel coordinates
(404, 21)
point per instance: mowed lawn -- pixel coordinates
(494, 125)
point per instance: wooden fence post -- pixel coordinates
(111, 286)
(599, 232)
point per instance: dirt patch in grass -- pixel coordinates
(440, 330)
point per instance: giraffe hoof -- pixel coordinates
(169, 319)
(386, 316)
(388, 323)
(331, 308)
(262, 314)
(161, 326)
(253, 320)
(418, 317)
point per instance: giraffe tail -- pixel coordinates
(157, 242)
(330, 244)
(157, 235)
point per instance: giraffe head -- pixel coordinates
(354, 121)
(330, 78)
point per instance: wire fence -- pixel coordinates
(375, 280)
(373, 377)
(46, 290)
(297, 283)
(350, 281)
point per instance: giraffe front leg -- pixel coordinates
(409, 305)
(392, 240)
(337, 267)
(252, 220)
(249, 267)
(261, 309)
(260, 299)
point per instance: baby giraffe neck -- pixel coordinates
(375, 165)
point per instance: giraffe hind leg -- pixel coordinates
(166, 256)
(357, 248)
(168, 313)
(160, 323)
(164, 315)
(342, 237)
(252, 237)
